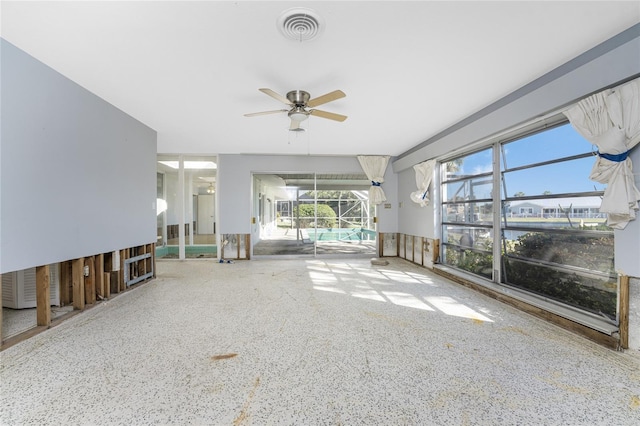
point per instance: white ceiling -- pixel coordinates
(190, 70)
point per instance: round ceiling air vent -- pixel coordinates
(300, 24)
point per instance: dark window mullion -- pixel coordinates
(470, 177)
(546, 163)
(468, 224)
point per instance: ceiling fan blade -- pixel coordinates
(336, 94)
(329, 115)
(253, 114)
(275, 95)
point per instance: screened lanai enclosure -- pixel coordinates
(312, 214)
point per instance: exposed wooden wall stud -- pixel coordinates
(89, 281)
(99, 276)
(624, 312)
(77, 278)
(43, 295)
(153, 258)
(65, 283)
(123, 257)
(0, 310)
(106, 277)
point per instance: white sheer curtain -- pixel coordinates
(611, 121)
(374, 167)
(424, 175)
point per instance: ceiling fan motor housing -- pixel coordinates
(298, 97)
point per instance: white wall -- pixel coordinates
(77, 175)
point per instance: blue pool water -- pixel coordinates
(341, 234)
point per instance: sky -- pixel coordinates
(566, 177)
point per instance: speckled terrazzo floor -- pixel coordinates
(16, 321)
(312, 342)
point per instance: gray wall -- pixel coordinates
(77, 175)
(234, 185)
(412, 218)
(627, 241)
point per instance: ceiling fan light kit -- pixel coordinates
(298, 114)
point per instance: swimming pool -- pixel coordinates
(341, 234)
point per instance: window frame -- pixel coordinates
(499, 226)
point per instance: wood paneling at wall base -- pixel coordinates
(423, 251)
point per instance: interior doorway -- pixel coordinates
(206, 214)
(310, 214)
(187, 220)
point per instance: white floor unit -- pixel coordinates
(19, 288)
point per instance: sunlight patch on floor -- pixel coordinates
(368, 294)
(328, 277)
(405, 299)
(449, 306)
(329, 289)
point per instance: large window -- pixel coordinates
(467, 212)
(553, 241)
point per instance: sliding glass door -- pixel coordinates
(312, 214)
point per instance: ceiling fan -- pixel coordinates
(299, 102)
